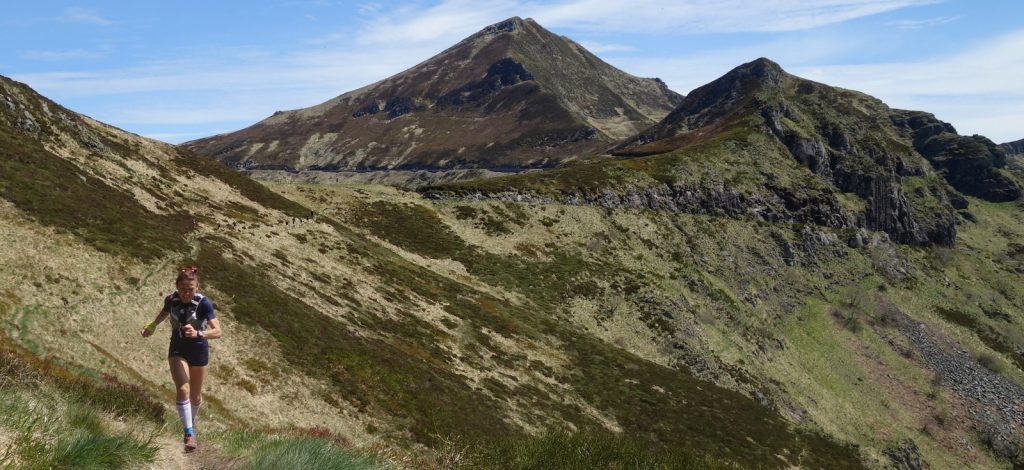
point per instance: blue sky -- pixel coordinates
(181, 70)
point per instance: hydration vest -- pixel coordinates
(185, 313)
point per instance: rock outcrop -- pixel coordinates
(1013, 148)
(970, 163)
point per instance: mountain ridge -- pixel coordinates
(904, 176)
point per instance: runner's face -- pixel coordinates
(187, 289)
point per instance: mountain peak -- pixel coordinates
(709, 103)
(512, 24)
(764, 63)
(764, 70)
(514, 27)
(512, 95)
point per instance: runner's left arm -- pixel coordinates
(212, 330)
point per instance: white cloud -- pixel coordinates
(453, 19)
(244, 86)
(331, 38)
(977, 90)
(690, 70)
(446, 22)
(921, 24)
(63, 55)
(597, 47)
(239, 73)
(174, 114)
(370, 8)
(82, 15)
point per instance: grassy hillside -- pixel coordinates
(385, 329)
(375, 342)
(786, 313)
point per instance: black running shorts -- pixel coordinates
(195, 353)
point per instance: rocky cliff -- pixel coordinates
(1013, 148)
(972, 164)
(842, 136)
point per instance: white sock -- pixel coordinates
(185, 413)
(195, 411)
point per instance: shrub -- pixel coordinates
(991, 362)
(580, 450)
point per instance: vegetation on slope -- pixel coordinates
(758, 341)
(59, 194)
(787, 312)
(53, 417)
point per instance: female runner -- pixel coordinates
(193, 322)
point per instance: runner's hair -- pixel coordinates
(190, 273)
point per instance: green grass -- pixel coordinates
(406, 377)
(248, 187)
(613, 380)
(583, 450)
(997, 338)
(271, 452)
(84, 449)
(58, 194)
(21, 368)
(64, 433)
(54, 416)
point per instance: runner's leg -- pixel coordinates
(180, 375)
(195, 386)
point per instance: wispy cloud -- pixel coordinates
(262, 80)
(450, 19)
(993, 66)
(921, 24)
(442, 23)
(597, 47)
(690, 69)
(64, 55)
(370, 8)
(331, 38)
(82, 15)
(977, 89)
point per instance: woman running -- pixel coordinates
(192, 323)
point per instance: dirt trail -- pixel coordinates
(208, 456)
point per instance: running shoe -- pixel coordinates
(190, 443)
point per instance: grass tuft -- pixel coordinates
(88, 450)
(264, 451)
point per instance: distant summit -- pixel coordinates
(513, 95)
(710, 105)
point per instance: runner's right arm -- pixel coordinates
(148, 329)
